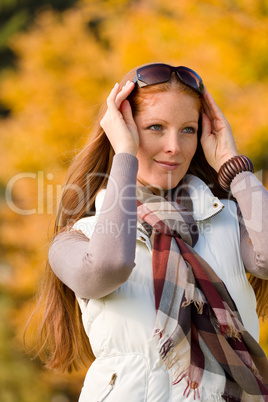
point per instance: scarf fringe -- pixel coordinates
(181, 369)
(194, 295)
(195, 389)
(192, 387)
(230, 327)
(229, 331)
(198, 304)
(173, 357)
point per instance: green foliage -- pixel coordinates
(16, 15)
(14, 24)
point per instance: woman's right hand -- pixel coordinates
(118, 122)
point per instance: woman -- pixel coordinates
(155, 252)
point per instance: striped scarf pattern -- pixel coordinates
(199, 330)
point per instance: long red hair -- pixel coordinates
(61, 341)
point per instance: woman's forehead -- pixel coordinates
(172, 96)
(168, 103)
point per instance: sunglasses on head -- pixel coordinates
(159, 73)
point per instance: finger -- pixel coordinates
(114, 91)
(207, 110)
(127, 112)
(213, 107)
(206, 127)
(206, 104)
(129, 120)
(209, 102)
(112, 96)
(125, 91)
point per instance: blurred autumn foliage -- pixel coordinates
(66, 63)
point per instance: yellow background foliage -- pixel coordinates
(66, 65)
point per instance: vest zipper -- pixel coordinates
(108, 389)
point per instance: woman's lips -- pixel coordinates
(168, 165)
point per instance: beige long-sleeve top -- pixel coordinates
(94, 268)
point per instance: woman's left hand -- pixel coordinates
(217, 139)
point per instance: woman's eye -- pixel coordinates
(189, 130)
(155, 127)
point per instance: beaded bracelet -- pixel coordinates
(231, 168)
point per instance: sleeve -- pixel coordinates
(252, 200)
(96, 267)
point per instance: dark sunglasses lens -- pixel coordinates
(154, 74)
(190, 78)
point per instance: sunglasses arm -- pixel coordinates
(140, 83)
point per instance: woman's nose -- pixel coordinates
(172, 143)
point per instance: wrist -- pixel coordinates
(225, 159)
(125, 164)
(231, 168)
(130, 151)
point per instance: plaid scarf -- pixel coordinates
(199, 330)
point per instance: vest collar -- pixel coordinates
(205, 204)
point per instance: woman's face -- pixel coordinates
(167, 126)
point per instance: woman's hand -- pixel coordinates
(118, 122)
(217, 139)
